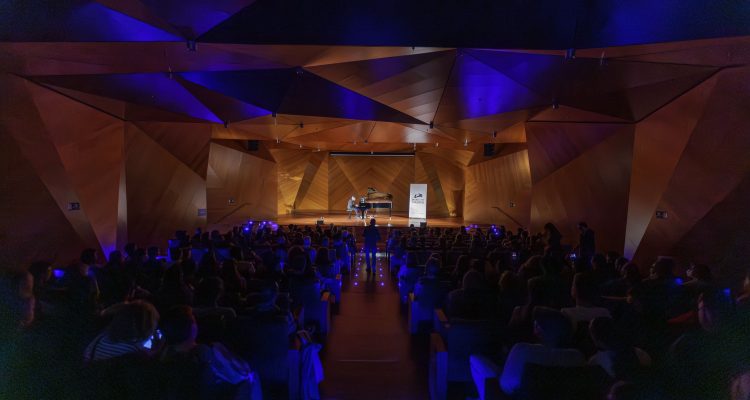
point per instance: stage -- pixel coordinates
(382, 219)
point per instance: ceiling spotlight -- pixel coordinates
(301, 125)
(278, 140)
(415, 147)
(466, 142)
(432, 124)
(226, 124)
(191, 45)
(494, 134)
(437, 144)
(300, 146)
(555, 104)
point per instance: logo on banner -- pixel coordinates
(418, 198)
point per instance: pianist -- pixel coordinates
(351, 207)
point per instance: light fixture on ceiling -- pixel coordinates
(432, 125)
(226, 124)
(602, 60)
(191, 45)
(301, 125)
(555, 104)
(278, 140)
(273, 114)
(300, 146)
(437, 144)
(415, 146)
(466, 142)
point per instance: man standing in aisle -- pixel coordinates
(586, 243)
(372, 237)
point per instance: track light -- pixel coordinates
(226, 124)
(278, 140)
(191, 45)
(555, 104)
(415, 147)
(432, 124)
(466, 142)
(301, 125)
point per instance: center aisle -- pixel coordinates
(369, 353)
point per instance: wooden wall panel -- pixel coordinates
(291, 169)
(659, 142)
(313, 191)
(21, 119)
(493, 184)
(340, 189)
(90, 146)
(32, 226)
(386, 174)
(445, 184)
(592, 187)
(251, 181)
(164, 195)
(188, 142)
(712, 165)
(721, 239)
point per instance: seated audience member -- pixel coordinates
(700, 281)
(630, 277)
(324, 266)
(17, 302)
(234, 284)
(739, 388)
(196, 371)
(510, 295)
(266, 309)
(530, 269)
(743, 299)
(174, 290)
(615, 356)
(206, 299)
(472, 300)
(553, 331)
(699, 362)
(521, 324)
(553, 283)
(307, 246)
(427, 289)
(132, 325)
(585, 294)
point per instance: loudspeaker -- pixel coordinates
(252, 145)
(489, 149)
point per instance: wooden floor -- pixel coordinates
(382, 219)
(369, 353)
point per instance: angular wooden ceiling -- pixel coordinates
(201, 62)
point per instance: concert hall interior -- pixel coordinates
(176, 161)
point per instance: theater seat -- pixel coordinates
(564, 383)
(452, 345)
(266, 345)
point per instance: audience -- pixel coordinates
(656, 337)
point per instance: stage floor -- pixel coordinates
(382, 219)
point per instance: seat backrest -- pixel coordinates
(264, 343)
(564, 383)
(466, 337)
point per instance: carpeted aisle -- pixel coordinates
(369, 353)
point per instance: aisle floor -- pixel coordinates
(369, 353)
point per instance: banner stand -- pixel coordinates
(417, 203)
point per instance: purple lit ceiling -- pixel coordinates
(336, 74)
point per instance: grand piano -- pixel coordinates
(375, 199)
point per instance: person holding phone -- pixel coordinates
(131, 331)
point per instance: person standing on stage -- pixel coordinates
(372, 237)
